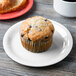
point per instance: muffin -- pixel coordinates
(11, 5)
(36, 34)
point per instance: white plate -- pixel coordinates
(61, 47)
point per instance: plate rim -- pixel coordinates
(18, 15)
(5, 48)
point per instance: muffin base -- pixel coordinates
(39, 47)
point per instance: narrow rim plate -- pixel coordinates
(61, 47)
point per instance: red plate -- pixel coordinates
(17, 13)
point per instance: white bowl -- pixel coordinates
(65, 8)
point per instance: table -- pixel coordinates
(67, 67)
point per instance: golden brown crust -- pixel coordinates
(8, 6)
(47, 28)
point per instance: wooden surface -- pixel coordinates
(67, 67)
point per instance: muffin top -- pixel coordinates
(36, 29)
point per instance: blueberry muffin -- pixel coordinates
(36, 34)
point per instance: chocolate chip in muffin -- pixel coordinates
(46, 37)
(30, 26)
(45, 19)
(29, 39)
(52, 31)
(22, 35)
